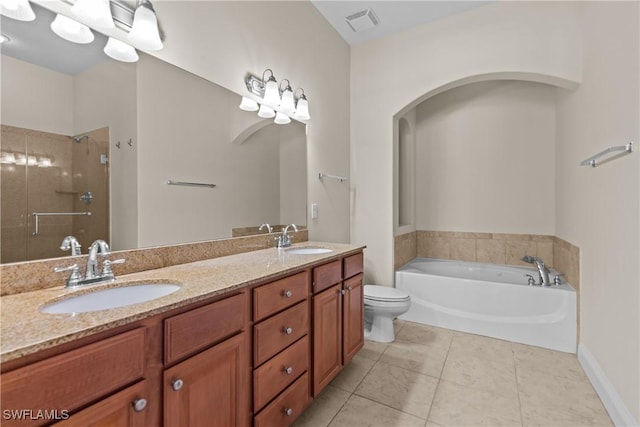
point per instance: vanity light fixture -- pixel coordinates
(144, 32)
(248, 104)
(17, 9)
(120, 51)
(281, 103)
(96, 13)
(71, 30)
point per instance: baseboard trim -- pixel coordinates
(612, 401)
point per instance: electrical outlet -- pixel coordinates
(314, 211)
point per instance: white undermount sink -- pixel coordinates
(308, 250)
(111, 298)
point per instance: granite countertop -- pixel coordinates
(25, 330)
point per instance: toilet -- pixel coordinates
(382, 304)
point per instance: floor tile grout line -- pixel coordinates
(515, 372)
(388, 406)
(435, 392)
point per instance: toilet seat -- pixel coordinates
(384, 294)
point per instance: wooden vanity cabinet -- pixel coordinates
(212, 386)
(281, 350)
(338, 322)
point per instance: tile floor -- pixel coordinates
(437, 377)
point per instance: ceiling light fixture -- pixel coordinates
(71, 30)
(17, 9)
(281, 103)
(144, 32)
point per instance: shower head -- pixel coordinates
(78, 139)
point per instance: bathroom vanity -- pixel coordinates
(249, 339)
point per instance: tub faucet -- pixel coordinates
(97, 247)
(542, 269)
(284, 240)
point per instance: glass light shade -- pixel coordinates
(8, 158)
(282, 119)
(44, 162)
(21, 159)
(17, 9)
(271, 94)
(3, 38)
(302, 109)
(32, 161)
(120, 51)
(71, 30)
(248, 104)
(144, 32)
(287, 105)
(266, 112)
(95, 13)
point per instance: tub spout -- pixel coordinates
(543, 271)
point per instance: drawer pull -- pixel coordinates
(288, 370)
(177, 384)
(288, 330)
(349, 288)
(139, 404)
(288, 412)
(288, 294)
(343, 292)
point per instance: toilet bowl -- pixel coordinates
(382, 304)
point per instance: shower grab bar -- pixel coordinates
(190, 184)
(37, 215)
(326, 175)
(592, 161)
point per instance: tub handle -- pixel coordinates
(557, 279)
(531, 281)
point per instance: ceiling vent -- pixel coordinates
(362, 20)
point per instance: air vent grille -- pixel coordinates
(362, 20)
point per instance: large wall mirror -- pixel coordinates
(82, 133)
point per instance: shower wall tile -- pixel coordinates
(430, 246)
(516, 249)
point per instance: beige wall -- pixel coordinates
(223, 41)
(105, 96)
(598, 209)
(530, 40)
(36, 98)
(485, 159)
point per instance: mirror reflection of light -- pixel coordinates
(44, 162)
(32, 161)
(21, 159)
(8, 158)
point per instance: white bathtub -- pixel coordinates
(491, 300)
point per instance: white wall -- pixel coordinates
(485, 159)
(37, 98)
(598, 208)
(293, 174)
(532, 40)
(105, 95)
(223, 41)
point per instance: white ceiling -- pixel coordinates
(393, 15)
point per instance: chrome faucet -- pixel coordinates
(543, 271)
(284, 240)
(268, 227)
(70, 242)
(97, 247)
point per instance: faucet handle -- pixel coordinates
(531, 281)
(107, 272)
(557, 279)
(74, 278)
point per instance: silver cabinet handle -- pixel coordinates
(288, 370)
(177, 384)
(288, 331)
(288, 294)
(288, 412)
(139, 404)
(343, 292)
(349, 288)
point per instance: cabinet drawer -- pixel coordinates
(277, 296)
(275, 375)
(279, 331)
(77, 377)
(353, 265)
(194, 330)
(287, 407)
(327, 275)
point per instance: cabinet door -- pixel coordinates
(127, 408)
(327, 336)
(211, 388)
(353, 318)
